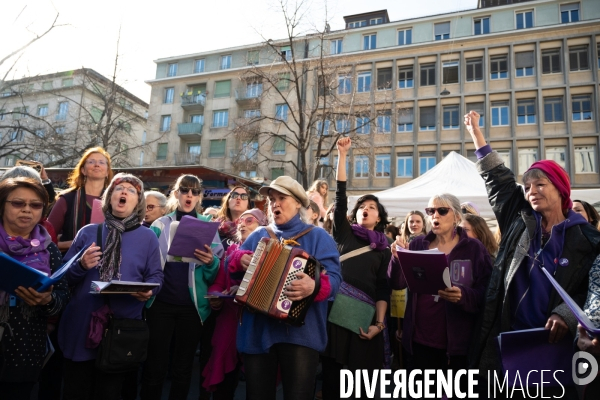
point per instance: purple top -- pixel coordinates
(461, 316)
(140, 264)
(430, 322)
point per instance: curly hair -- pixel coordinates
(383, 215)
(76, 179)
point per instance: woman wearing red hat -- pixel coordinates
(539, 228)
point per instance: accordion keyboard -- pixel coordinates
(251, 268)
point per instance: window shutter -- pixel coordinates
(428, 116)
(441, 29)
(405, 116)
(524, 59)
(223, 89)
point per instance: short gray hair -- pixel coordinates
(162, 199)
(21, 171)
(532, 174)
(449, 200)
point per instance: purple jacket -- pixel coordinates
(140, 263)
(460, 317)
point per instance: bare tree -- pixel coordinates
(310, 101)
(91, 111)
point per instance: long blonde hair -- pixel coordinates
(316, 187)
(76, 179)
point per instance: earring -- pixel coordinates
(454, 231)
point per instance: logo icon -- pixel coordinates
(585, 368)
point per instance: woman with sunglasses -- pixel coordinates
(87, 182)
(180, 308)
(236, 202)
(156, 206)
(438, 329)
(222, 369)
(539, 228)
(23, 319)
(364, 279)
(128, 252)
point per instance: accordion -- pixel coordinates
(273, 266)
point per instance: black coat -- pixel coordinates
(517, 225)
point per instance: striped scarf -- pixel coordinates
(110, 266)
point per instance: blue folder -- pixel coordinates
(14, 274)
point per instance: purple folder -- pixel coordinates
(192, 234)
(461, 273)
(583, 319)
(529, 350)
(425, 272)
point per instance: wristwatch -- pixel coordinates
(380, 325)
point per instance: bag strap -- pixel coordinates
(355, 253)
(99, 236)
(291, 240)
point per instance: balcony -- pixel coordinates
(193, 101)
(249, 95)
(187, 158)
(190, 130)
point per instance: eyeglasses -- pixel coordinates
(236, 195)
(130, 190)
(34, 205)
(248, 220)
(186, 190)
(150, 207)
(102, 163)
(441, 210)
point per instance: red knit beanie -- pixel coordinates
(559, 178)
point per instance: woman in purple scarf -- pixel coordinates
(23, 337)
(364, 278)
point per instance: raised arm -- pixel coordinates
(343, 145)
(472, 125)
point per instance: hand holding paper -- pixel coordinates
(205, 257)
(585, 343)
(34, 298)
(193, 238)
(452, 294)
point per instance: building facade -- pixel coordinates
(53, 118)
(531, 69)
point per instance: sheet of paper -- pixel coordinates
(192, 234)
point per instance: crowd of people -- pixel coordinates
(191, 309)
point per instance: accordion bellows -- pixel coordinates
(273, 266)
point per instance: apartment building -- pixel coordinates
(531, 69)
(53, 118)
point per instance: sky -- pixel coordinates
(88, 31)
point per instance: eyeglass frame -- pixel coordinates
(131, 190)
(31, 205)
(151, 207)
(186, 190)
(245, 220)
(235, 195)
(442, 211)
(97, 162)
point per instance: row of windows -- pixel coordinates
(441, 31)
(553, 109)
(584, 158)
(46, 85)
(42, 111)
(474, 71)
(217, 147)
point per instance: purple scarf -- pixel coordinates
(377, 240)
(32, 252)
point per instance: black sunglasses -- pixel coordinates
(441, 210)
(185, 190)
(235, 195)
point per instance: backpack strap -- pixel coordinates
(99, 236)
(355, 253)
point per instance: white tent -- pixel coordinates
(456, 175)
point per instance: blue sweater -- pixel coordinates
(257, 332)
